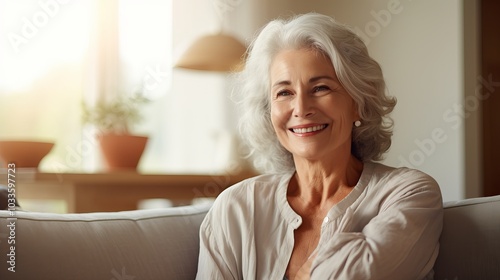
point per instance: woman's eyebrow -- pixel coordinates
(281, 83)
(315, 79)
(311, 80)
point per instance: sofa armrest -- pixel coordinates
(470, 241)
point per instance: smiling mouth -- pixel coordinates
(308, 129)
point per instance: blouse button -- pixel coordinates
(325, 220)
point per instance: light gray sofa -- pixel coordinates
(163, 243)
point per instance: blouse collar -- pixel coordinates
(337, 210)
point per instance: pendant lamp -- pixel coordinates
(217, 52)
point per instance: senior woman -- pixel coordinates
(316, 118)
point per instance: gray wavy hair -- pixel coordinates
(359, 74)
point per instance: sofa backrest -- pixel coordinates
(163, 243)
(141, 244)
(470, 241)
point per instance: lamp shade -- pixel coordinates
(218, 52)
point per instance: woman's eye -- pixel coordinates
(321, 88)
(282, 93)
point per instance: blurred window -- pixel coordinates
(45, 71)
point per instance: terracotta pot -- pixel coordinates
(122, 151)
(23, 153)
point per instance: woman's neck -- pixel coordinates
(321, 184)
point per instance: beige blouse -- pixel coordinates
(387, 228)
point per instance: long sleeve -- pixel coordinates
(214, 260)
(400, 242)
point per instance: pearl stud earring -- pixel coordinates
(357, 123)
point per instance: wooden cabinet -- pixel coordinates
(117, 191)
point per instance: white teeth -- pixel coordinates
(309, 129)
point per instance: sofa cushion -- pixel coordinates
(163, 243)
(141, 244)
(470, 241)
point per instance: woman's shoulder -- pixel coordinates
(265, 183)
(388, 170)
(248, 191)
(402, 178)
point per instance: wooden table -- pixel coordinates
(117, 191)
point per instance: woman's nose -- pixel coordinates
(303, 106)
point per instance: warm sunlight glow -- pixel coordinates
(145, 45)
(38, 36)
(56, 53)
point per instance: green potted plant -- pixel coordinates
(114, 119)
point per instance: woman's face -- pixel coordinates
(311, 112)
